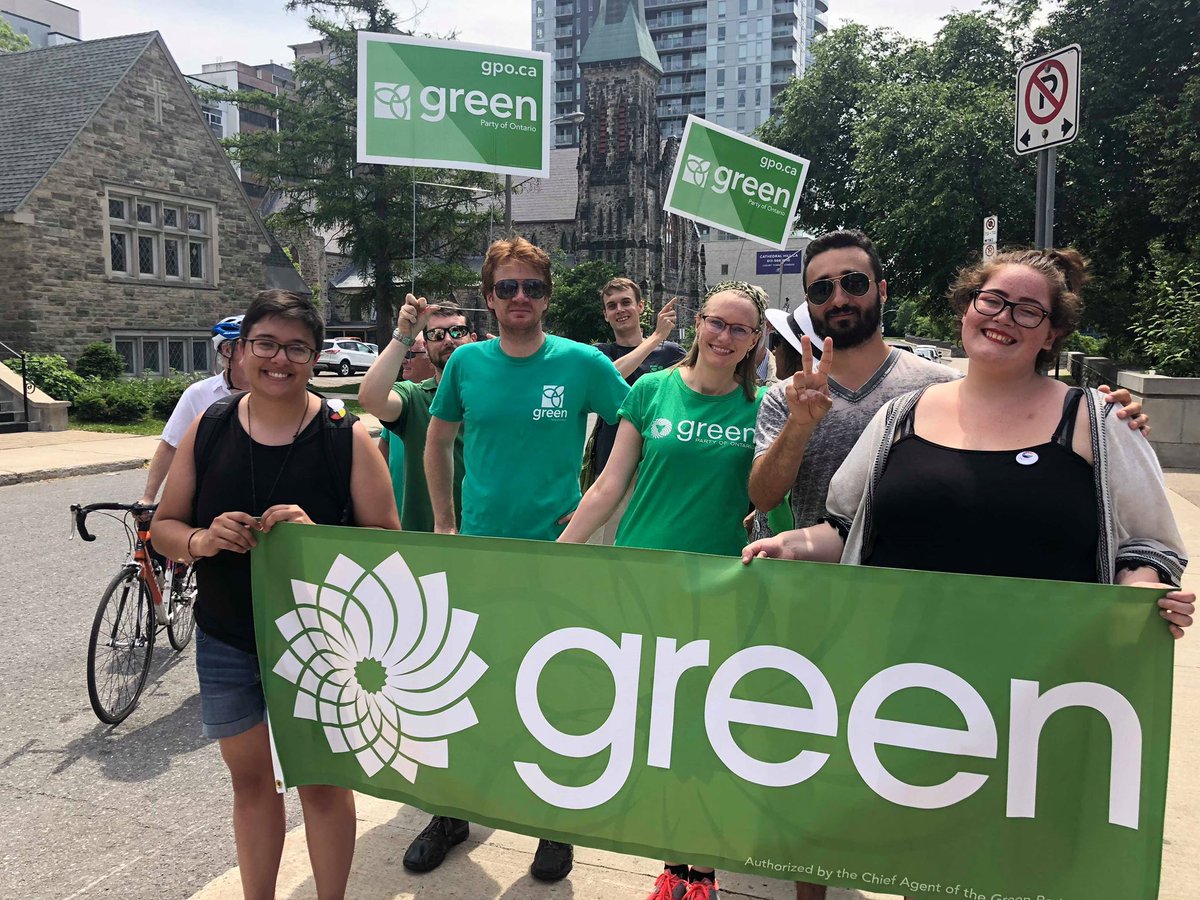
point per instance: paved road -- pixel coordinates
(135, 811)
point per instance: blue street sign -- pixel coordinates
(767, 262)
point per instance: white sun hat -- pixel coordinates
(791, 325)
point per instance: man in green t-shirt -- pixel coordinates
(403, 407)
(523, 402)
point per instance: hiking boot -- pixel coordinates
(668, 886)
(552, 861)
(430, 847)
(704, 889)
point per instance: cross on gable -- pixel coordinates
(160, 94)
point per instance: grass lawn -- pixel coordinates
(151, 427)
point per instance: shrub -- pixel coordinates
(51, 374)
(100, 360)
(164, 393)
(123, 402)
(1168, 332)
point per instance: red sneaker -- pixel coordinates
(668, 886)
(704, 889)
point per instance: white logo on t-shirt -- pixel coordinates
(660, 428)
(552, 403)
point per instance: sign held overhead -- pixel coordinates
(739, 185)
(1048, 101)
(452, 105)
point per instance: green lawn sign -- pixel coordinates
(452, 105)
(739, 185)
(898, 732)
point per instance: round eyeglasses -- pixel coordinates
(1027, 315)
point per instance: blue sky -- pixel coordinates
(259, 31)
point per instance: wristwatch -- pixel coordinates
(406, 340)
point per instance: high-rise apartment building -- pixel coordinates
(726, 60)
(45, 23)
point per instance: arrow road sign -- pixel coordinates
(1048, 101)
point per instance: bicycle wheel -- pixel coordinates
(181, 617)
(120, 647)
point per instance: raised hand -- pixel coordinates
(666, 320)
(414, 315)
(807, 396)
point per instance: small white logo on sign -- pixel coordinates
(552, 396)
(392, 101)
(660, 428)
(695, 170)
(1027, 457)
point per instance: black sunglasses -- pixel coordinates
(455, 331)
(506, 288)
(853, 283)
(413, 354)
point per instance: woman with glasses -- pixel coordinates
(277, 453)
(1006, 471)
(687, 434)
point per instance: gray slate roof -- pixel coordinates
(550, 199)
(46, 98)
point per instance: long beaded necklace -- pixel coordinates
(283, 465)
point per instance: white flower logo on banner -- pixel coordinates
(382, 663)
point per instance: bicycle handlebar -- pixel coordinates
(82, 512)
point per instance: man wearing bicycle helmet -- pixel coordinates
(196, 399)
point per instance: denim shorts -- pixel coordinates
(231, 693)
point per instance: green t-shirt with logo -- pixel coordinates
(416, 510)
(524, 423)
(691, 491)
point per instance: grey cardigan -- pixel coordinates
(1137, 527)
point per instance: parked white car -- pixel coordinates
(344, 356)
(928, 351)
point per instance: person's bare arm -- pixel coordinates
(774, 472)
(439, 473)
(817, 543)
(603, 497)
(628, 364)
(160, 464)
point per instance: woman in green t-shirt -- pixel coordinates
(687, 434)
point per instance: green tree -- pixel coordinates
(575, 309)
(312, 160)
(10, 41)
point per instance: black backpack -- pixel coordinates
(337, 439)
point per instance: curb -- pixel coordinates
(120, 465)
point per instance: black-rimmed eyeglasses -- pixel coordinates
(1027, 315)
(265, 348)
(455, 331)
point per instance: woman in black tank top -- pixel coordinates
(993, 474)
(275, 454)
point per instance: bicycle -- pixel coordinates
(132, 610)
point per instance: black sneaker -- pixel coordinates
(552, 861)
(430, 847)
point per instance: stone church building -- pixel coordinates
(623, 168)
(121, 219)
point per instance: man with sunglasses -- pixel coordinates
(522, 402)
(424, 332)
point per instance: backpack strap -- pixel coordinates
(213, 421)
(337, 430)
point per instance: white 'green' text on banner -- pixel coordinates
(736, 184)
(451, 105)
(903, 732)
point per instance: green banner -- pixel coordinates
(739, 185)
(452, 105)
(902, 732)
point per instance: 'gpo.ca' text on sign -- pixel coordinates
(452, 105)
(736, 184)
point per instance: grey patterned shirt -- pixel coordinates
(835, 435)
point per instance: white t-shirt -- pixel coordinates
(195, 400)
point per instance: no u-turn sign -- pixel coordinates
(1048, 101)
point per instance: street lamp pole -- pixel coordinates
(779, 296)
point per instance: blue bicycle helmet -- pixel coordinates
(228, 329)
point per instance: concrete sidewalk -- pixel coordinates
(42, 455)
(495, 864)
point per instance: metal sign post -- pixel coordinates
(1047, 117)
